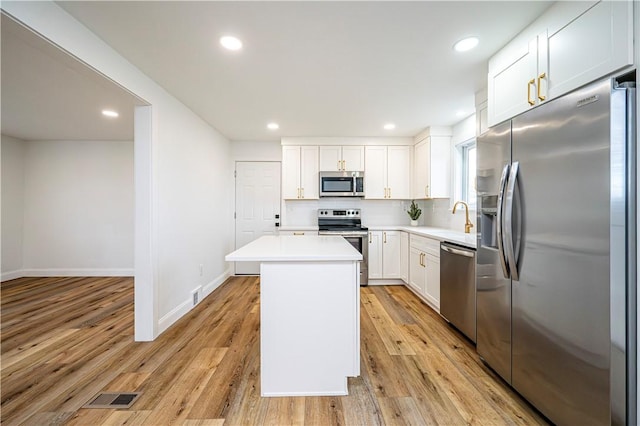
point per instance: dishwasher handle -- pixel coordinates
(460, 252)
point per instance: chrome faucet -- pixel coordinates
(467, 225)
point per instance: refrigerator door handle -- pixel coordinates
(508, 221)
(500, 220)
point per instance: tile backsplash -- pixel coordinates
(436, 213)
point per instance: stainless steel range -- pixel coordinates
(347, 223)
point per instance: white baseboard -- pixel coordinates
(386, 281)
(11, 275)
(174, 315)
(179, 311)
(208, 288)
(77, 272)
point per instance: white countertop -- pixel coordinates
(456, 237)
(298, 228)
(271, 248)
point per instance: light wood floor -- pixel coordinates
(66, 339)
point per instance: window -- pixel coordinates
(466, 177)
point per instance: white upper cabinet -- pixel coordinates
(431, 166)
(387, 172)
(353, 158)
(596, 43)
(300, 172)
(570, 45)
(375, 175)
(342, 158)
(512, 81)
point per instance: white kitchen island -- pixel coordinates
(309, 313)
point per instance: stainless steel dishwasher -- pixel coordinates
(458, 287)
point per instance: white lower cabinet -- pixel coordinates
(417, 271)
(404, 257)
(432, 285)
(384, 255)
(424, 269)
(375, 255)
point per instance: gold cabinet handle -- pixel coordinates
(426, 191)
(421, 259)
(529, 84)
(302, 191)
(540, 77)
(338, 165)
(370, 234)
(343, 165)
(384, 234)
(298, 192)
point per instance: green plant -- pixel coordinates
(414, 211)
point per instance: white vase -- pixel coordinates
(414, 223)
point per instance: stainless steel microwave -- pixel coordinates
(342, 184)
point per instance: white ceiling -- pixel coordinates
(316, 68)
(49, 95)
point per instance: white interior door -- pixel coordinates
(257, 204)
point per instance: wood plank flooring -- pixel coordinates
(65, 339)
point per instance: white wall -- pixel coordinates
(256, 151)
(12, 206)
(188, 164)
(78, 208)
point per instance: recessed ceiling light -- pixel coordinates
(273, 126)
(110, 113)
(466, 44)
(231, 43)
(389, 126)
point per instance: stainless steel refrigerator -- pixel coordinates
(557, 254)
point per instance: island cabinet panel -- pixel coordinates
(309, 313)
(309, 327)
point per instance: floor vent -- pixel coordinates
(117, 400)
